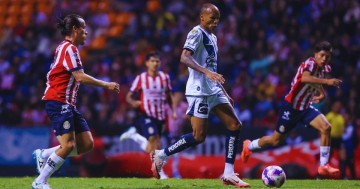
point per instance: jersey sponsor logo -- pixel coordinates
(286, 115)
(177, 144)
(231, 147)
(211, 62)
(203, 108)
(66, 125)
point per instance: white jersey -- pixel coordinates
(204, 48)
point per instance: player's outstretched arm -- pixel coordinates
(83, 78)
(189, 61)
(308, 78)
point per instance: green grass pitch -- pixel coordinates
(143, 183)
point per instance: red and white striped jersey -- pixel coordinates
(300, 94)
(61, 84)
(152, 93)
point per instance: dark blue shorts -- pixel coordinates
(290, 117)
(65, 118)
(149, 126)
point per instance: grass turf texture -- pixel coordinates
(119, 183)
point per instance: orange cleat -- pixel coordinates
(245, 154)
(327, 170)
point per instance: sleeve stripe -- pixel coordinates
(189, 48)
(75, 69)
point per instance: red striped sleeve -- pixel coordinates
(76, 56)
(63, 53)
(136, 85)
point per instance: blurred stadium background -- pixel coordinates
(261, 43)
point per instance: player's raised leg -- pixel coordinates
(250, 146)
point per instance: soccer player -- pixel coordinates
(297, 107)
(204, 93)
(155, 91)
(63, 81)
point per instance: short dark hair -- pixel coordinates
(152, 54)
(66, 24)
(323, 45)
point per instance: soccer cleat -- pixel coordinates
(234, 180)
(40, 162)
(163, 175)
(157, 164)
(327, 170)
(36, 185)
(246, 152)
(128, 133)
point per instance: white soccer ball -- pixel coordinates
(273, 176)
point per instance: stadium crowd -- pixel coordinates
(261, 43)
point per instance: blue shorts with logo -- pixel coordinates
(65, 118)
(290, 117)
(150, 126)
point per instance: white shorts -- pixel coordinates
(200, 106)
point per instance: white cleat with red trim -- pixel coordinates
(234, 180)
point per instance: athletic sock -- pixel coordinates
(53, 163)
(229, 169)
(181, 144)
(254, 145)
(324, 155)
(231, 145)
(47, 152)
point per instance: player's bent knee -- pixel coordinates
(68, 147)
(84, 148)
(326, 128)
(235, 126)
(90, 147)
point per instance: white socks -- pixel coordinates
(324, 155)
(47, 152)
(162, 155)
(142, 141)
(229, 169)
(53, 163)
(254, 145)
